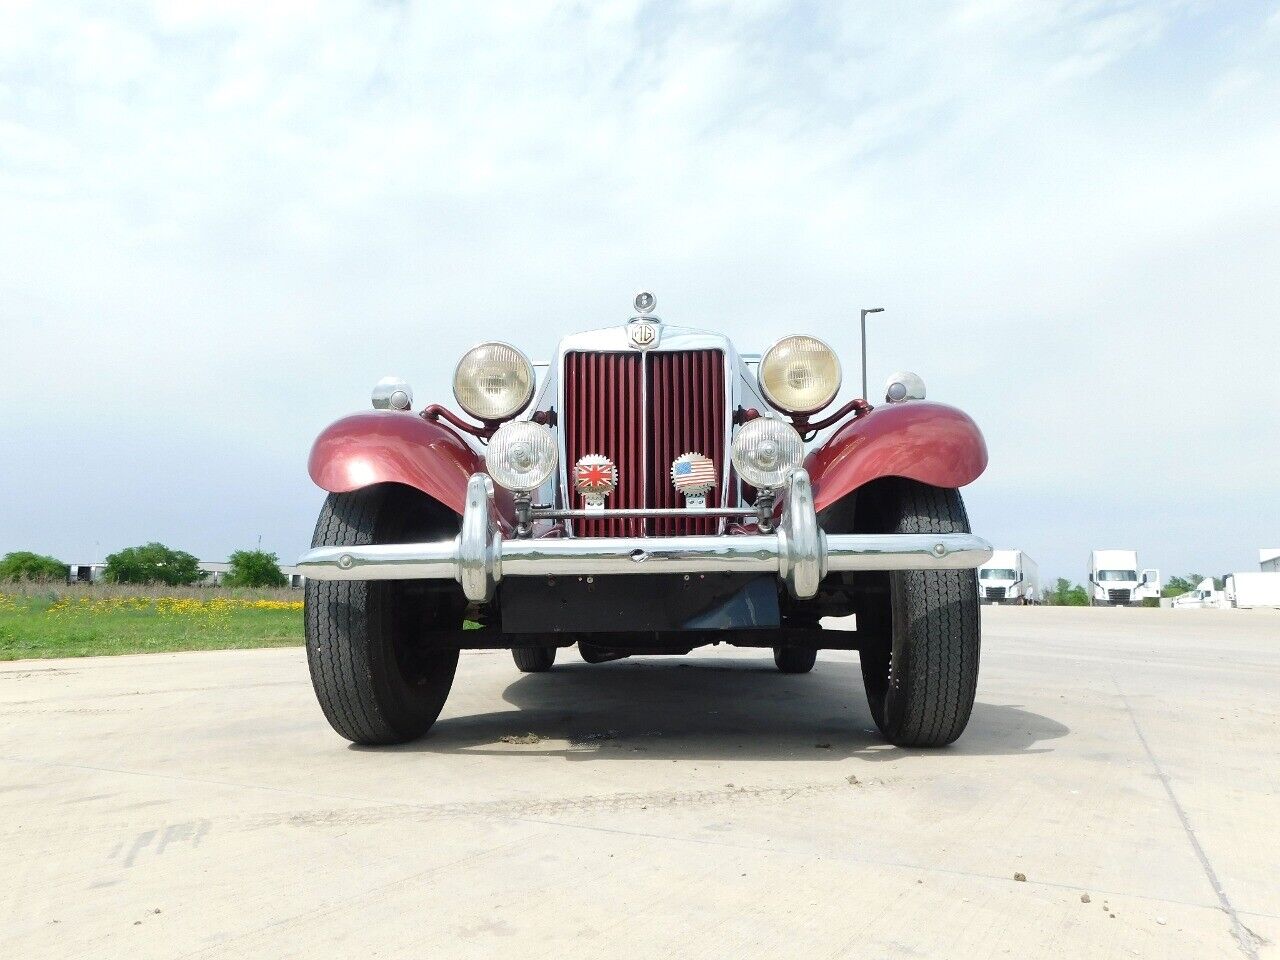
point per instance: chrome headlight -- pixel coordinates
(521, 455)
(800, 375)
(766, 451)
(904, 385)
(493, 381)
(392, 393)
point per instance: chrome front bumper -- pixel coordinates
(799, 552)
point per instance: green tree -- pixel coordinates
(25, 565)
(153, 563)
(1064, 593)
(255, 568)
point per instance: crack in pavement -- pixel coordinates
(1244, 937)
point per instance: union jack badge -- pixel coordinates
(595, 477)
(693, 475)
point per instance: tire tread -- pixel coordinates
(340, 623)
(337, 614)
(937, 685)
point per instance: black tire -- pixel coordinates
(534, 659)
(921, 675)
(375, 673)
(794, 659)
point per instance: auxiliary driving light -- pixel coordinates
(493, 381)
(766, 451)
(521, 455)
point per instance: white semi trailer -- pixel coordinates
(1247, 591)
(1010, 576)
(1116, 581)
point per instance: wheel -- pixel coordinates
(373, 667)
(920, 669)
(794, 659)
(534, 659)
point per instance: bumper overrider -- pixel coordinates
(799, 552)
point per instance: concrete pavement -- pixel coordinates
(198, 805)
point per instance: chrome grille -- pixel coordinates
(642, 410)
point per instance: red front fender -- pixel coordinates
(392, 447)
(929, 442)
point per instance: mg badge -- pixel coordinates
(595, 477)
(643, 334)
(693, 475)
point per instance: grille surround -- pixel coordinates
(642, 410)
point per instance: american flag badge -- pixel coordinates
(595, 477)
(693, 475)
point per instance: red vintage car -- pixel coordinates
(651, 496)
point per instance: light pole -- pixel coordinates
(865, 311)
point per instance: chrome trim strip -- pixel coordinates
(730, 357)
(609, 555)
(390, 561)
(550, 513)
(587, 556)
(800, 553)
(905, 551)
(644, 434)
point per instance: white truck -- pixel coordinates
(1116, 581)
(1249, 590)
(1204, 597)
(1010, 576)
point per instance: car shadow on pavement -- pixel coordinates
(707, 708)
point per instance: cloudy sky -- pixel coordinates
(221, 222)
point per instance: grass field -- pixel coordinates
(61, 621)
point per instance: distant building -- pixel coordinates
(1269, 560)
(216, 572)
(85, 572)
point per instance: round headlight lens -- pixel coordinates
(904, 385)
(800, 374)
(392, 393)
(493, 381)
(766, 451)
(521, 455)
